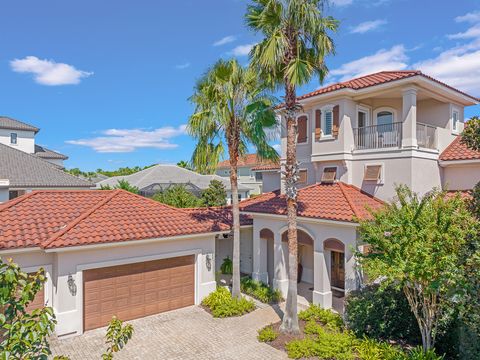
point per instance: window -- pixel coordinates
(302, 129)
(384, 118)
(13, 138)
(327, 122)
(329, 174)
(363, 116)
(372, 173)
(302, 176)
(258, 176)
(455, 118)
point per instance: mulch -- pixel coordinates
(282, 339)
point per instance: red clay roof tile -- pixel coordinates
(458, 151)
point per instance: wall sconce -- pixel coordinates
(208, 261)
(72, 287)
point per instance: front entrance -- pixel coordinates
(337, 269)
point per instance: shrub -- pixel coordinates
(222, 304)
(369, 349)
(324, 316)
(381, 314)
(418, 354)
(227, 266)
(260, 291)
(267, 334)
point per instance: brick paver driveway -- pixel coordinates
(189, 333)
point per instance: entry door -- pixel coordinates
(338, 269)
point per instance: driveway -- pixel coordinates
(189, 333)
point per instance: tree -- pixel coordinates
(293, 49)
(122, 184)
(24, 334)
(215, 194)
(184, 164)
(178, 196)
(471, 134)
(417, 245)
(232, 108)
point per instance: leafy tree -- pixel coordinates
(215, 194)
(293, 49)
(24, 334)
(178, 196)
(122, 184)
(184, 164)
(471, 133)
(416, 245)
(232, 109)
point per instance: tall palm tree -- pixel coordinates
(232, 108)
(294, 45)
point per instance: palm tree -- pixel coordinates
(294, 45)
(232, 109)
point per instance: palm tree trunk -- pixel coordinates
(290, 317)
(236, 225)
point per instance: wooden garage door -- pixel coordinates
(39, 299)
(136, 290)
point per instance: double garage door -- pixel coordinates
(136, 290)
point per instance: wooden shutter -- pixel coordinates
(372, 172)
(336, 120)
(329, 174)
(302, 129)
(302, 177)
(318, 124)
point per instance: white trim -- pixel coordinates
(446, 163)
(367, 110)
(381, 180)
(48, 289)
(306, 231)
(132, 242)
(323, 121)
(303, 218)
(20, 250)
(454, 110)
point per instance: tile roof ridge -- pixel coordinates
(82, 217)
(18, 200)
(347, 197)
(373, 197)
(452, 144)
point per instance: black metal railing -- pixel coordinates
(378, 136)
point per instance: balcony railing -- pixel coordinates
(378, 136)
(426, 136)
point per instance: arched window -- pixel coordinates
(384, 118)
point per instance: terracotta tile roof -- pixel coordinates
(266, 167)
(62, 218)
(378, 78)
(464, 194)
(337, 201)
(247, 160)
(219, 214)
(458, 151)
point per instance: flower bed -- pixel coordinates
(260, 291)
(220, 303)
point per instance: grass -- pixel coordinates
(260, 291)
(221, 304)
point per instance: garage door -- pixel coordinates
(137, 290)
(39, 299)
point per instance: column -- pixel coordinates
(259, 257)
(280, 261)
(322, 293)
(409, 118)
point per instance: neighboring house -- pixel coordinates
(21, 172)
(109, 253)
(247, 173)
(160, 177)
(21, 136)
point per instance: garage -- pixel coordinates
(136, 290)
(38, 301)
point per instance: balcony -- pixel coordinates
(426, 136)
(378, 136)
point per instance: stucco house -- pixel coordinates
(247, 172)
(162, 176)
(21, 136)
(109, 253)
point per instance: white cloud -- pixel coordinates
(342, 2)
(473, 32)
(49, 72)
(367, 26)
(225, 40)
(384, 59)
(242, 50)
(182, 66)
(128, 140)
(471, 17)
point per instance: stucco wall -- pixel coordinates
(271, 181)
(461, 177)
(25, 140)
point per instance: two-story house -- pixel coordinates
(357, 140)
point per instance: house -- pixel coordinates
(357, 140)
(21, 136)
(247, 172)
(109, 253)
(21, 172)
(162, 176)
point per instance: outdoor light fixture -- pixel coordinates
(209, 262)
(72, 287)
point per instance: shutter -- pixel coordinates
(302, 177)
(318, 124)
(329, 174)
(336, 120)
(302, 129)
(372, 173)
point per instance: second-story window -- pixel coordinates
(327, 123)
(302, 129)
(13, 138)
(455, 118)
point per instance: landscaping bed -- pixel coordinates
(260, 291)
(221, 304)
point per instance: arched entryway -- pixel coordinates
(267, 236)
(334, 250)
(305, 255)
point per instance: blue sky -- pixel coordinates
(108, 81)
